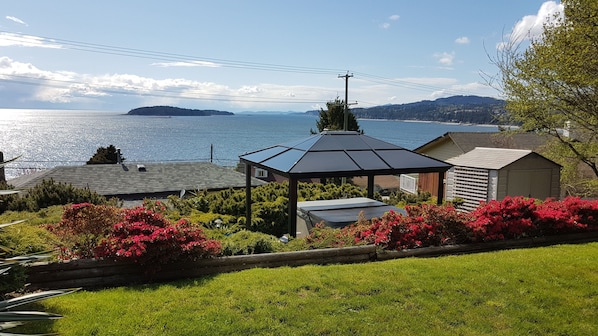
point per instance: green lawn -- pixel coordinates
(540, 291)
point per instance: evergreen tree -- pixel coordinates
(106, 155)
(333, 118)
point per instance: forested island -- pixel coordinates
(456, 109)
(174, 111)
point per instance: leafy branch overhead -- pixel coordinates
(551, 87)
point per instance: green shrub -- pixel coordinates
(246, 242)
(50, 193)
(269, 203)
(12, 281)
(26, 239)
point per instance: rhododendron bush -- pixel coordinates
(139, 234)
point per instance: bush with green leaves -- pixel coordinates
(12, 279)
(247, 242)
(269, 206)
(49, 193)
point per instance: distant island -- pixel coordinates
(174, 111)
(455, 109)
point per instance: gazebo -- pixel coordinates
(336, 154)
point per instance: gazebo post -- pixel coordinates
(292, 206)
(371, 186)
(440, 188)
(247, 194)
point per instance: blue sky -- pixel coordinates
(261, 55)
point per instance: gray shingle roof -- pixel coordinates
(127, 179)
(489, 158)
(467, 141)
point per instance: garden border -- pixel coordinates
(95, 274)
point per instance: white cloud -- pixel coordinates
(18, 40)
(531, 26)
(462, 40)
(188, 64)
(17, 20)
(445, 58)
(250, 90)
(386, 25)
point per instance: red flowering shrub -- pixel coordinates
(513, 217)
(448, 223)
(567, 216)
(148, 238)
(425, 225)
(81, 228)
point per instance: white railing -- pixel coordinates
(409, 184)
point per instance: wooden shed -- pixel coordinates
(485, 174)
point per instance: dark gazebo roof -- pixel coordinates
(336, 154)
(341, 153)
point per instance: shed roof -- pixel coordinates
(489, 158)
(341, 153)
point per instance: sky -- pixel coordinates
(260, 55)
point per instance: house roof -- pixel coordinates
(128, 179)
(490, 158)
(341, 153)
(467, 141)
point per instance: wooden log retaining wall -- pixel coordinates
(94, 274)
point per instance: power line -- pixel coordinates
(216, 62)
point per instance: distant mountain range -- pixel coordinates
(174, 111)
(458, 109)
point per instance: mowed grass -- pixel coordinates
(539, 291)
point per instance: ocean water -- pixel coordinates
(48, 138)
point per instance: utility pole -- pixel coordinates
(346, 76)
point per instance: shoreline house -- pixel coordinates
(133, 182)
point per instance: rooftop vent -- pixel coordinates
(141, 168)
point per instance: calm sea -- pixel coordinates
(48, 138)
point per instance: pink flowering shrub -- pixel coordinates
(148, 238)
(425, 225)
(513, 217)
(567, 216)
(140, 234)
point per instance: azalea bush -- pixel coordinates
(148, 238)
(433, 225)
(425, 225)
(517, 217)
(141, 235)
(513, 217)
(567, 216)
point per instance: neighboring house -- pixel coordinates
(453, 144)
(131, 181)
(485, 174)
